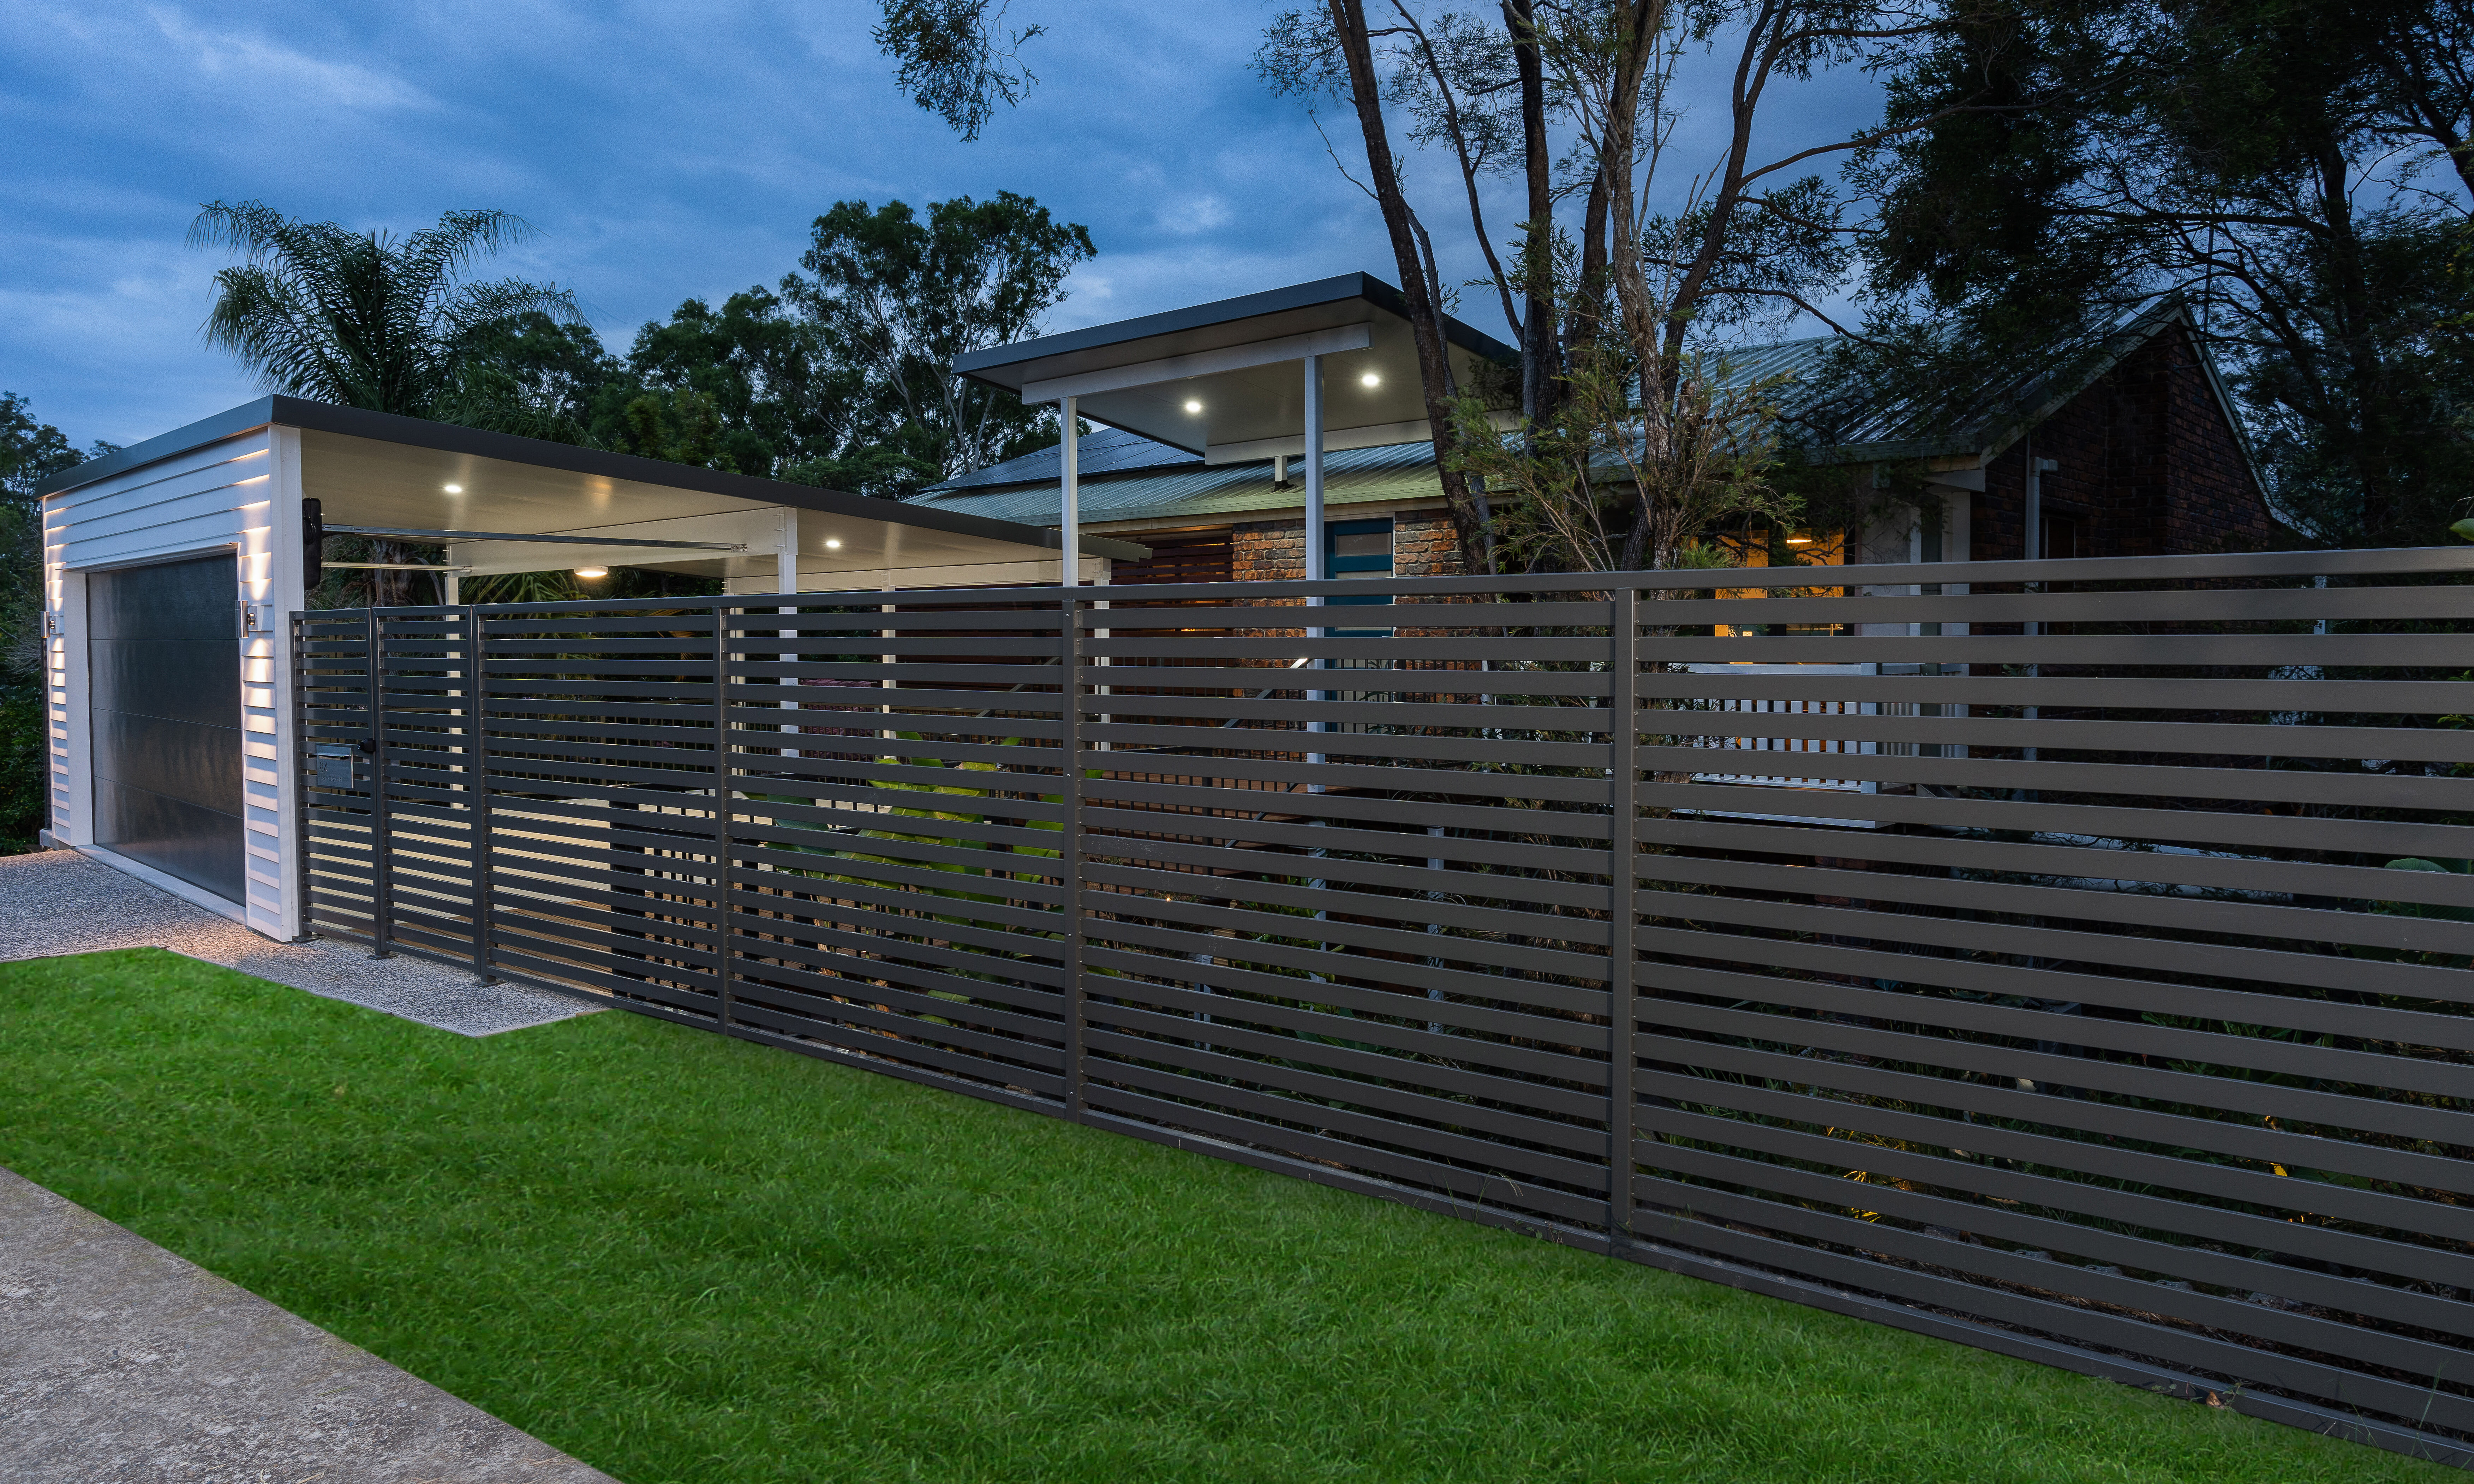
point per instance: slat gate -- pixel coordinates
(2106, 1004)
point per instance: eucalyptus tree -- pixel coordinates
(955, 57)
(1621, 323)
(899, 298)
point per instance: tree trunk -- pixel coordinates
(1538, 363)
(1349, 20)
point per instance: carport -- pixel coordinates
(171, 569)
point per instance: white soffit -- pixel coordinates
(1217, 378)
(364, 482)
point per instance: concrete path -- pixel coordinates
(59, 902)
(123, 1364)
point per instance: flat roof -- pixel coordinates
(1220, 379)
(450, 438)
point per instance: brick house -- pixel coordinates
(2132, 452)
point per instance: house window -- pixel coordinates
(1761, 548)
(2061, 538)
(1358, 548)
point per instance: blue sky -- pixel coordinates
(665, 150)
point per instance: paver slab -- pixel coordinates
(122, 1363)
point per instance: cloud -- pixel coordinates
(266, 70)
(1196, 214)
(667, 152)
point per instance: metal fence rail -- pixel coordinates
(2067, 958)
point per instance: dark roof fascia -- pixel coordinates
(1297, 295)
(384, 427)
(229, 423)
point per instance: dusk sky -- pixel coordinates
(666, 152)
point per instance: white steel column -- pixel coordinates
(1317, 567)
(785, 580)
(1069, 466)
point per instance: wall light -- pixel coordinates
(1372, 379)
(455, 489)
(834, 545)
(588, 573)
(1194, 407)
(1799, 540)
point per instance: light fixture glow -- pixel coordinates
(833, 545)
(1799, 540)
(1194, 407)
(455, 489)
(1372, 379)
(588, 573)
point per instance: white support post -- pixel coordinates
(1317, 567)
(1069, 466)
(786, 580)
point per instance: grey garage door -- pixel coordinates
(163, 655)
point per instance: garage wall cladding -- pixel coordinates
(138, 526)
(163, 668)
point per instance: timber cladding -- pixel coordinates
(2070, 960)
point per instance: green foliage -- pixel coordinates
(901, 298)
(2295, 173)
(751, 386)
(957, 61)
(1602, 483)
(682, 1258)
(30, 452)
(364, 318)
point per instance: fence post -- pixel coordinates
(476, 779)
(382, 835)
(721, 871)
(1069, 859)
(304, 755)
(1623, 784)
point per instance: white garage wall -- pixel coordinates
(243, 496)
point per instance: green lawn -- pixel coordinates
(682, 1258)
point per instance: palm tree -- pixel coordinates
(363, 318)
(374, 320)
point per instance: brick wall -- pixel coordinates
(1424, 546)
(2148, 466)
(1268, 551)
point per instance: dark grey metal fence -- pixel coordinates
(2069, 958)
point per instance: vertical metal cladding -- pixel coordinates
(2071, 960)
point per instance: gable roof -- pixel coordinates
(1858, 424)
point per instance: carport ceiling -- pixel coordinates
(1223, 379)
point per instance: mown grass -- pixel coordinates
(685, 1258)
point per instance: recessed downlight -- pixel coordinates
(833, 545)
(1370, 380)
(455, 489)
(588, 573)
(1194, 407)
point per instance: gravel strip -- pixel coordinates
(56, 902)
(121, 1363)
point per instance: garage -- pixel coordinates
(163, 661)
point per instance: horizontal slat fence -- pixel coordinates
(2066, 958)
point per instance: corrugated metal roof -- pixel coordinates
(1104, 451)
(1351, 476)
(1832, 422)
